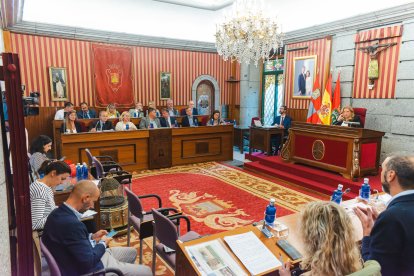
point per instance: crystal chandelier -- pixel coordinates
(248, 36)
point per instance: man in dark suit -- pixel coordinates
(102, 124)
(75, 250)
(389, 237)
(283, 121)
(191, 105)
(85, 112)
(302, 82)
(166, 120)
(189, 120)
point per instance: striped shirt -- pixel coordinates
(42, 202)
(36, 161)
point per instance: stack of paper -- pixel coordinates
(253, 254)
(212, 258)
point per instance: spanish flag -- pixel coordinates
(325, 110)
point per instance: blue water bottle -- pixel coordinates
(270, 213)
(365, 191)
(195, 122)
(127, 126)
(85, 173)
(176, 123)
(151, 125)
(337, 194)
(78, 172)
(234, 122)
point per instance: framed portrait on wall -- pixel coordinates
(304, 72)
(165, 85)
(58, 84)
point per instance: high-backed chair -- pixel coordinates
(254, 119)
(362, 113)
(54, 267)
(123, 177)
(105, 159)
(167, 234)
(140, 219)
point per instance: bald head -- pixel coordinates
(83, 195)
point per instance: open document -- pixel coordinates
(253, 254)
(212, 259)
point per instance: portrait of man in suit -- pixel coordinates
(304, 69)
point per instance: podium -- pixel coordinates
(352, 152)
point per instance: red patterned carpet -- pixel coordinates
(214, 196)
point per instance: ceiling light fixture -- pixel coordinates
(248, 36)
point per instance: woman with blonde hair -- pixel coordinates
(329, 242)
(124, 122)
(347, 115)
(111, 110)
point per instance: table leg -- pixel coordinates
(241, 142)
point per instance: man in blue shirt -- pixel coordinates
(75, 250)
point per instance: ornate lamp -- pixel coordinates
(248, 36)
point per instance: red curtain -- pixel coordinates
(113, 75)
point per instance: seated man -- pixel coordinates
(102, 124)
(170, 108)
(388, 237)
(138, 111)
(191, 105)
(75, 250)
(85, 112)
(151, 121)
(189, 120)
(60, 114)
(166, 120)
(283, 121)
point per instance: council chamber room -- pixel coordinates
(195, 137)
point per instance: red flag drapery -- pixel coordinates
(315, 102)
(113, 75)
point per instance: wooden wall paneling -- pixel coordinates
(298, 115)
(40, 124)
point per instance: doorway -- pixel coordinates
(205, 98)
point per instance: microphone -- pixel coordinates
(96, 126)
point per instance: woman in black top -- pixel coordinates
(70, 124)
(348, 115)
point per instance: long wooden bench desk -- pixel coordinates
(154, 148)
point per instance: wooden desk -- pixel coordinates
(239, 132)
(261, 138)
(186, 268)
(86, 122)
(352, 152)
(131, 149)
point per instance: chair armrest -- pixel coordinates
(152, 195)
(104, 157)
(178, 217)
(166, 211)
(103, 272)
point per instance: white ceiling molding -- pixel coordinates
(370, 20)
(212, 5)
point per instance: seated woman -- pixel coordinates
(215, 119)
(111, 110)
(124, 122)
(329, 245)
(347, 115)
(42, 200)
(151, 104)
(40, 146)
(70, 124)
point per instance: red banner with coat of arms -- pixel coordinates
(113, 75)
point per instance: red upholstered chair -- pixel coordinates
(204, 120)
(362, 113)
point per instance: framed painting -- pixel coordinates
(304, 72)
(58, 84)
(165, 85)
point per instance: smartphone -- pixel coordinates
(112, 233)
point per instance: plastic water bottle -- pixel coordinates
(195, 122)
(176, 123)
(234, 122)
(365, 191)
(127, 127)
(337, 194)
(85, 173)
(79, 172)
(270, 213)
(151, 125)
